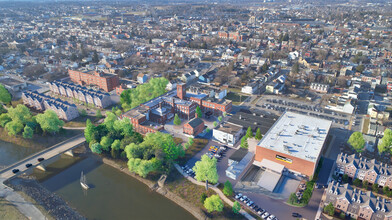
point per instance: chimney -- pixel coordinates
(181, 91)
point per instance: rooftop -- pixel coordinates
(229, 128)
(299, 135)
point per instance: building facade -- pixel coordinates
(41, 102)
(194, 127)
(81, 93)
(104, 81)
(364, 169)
(358, 204)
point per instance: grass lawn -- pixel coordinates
(190, 192)
(38, 140)
(9, 211)
(80, 121)
(36, 204)
(198, 144)
(236, 98)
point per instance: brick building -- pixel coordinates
(194, 127)
(364, 169)
(104, 81)
(81, 93)
(357, 204)
(41, 102)
(294, 141)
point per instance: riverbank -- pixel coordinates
(195, 211)
(54, 206)
(9, 211)
(38, 141)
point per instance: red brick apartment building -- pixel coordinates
(105, 81)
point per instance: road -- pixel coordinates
(47, 154)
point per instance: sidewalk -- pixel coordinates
(320, 208)
(26, 208)
(218, 191)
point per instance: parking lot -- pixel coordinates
(277, 105)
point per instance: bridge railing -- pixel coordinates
(38, 153)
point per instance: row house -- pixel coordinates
(364, 169)
(81, 93)
(41, 102)
(356, 203)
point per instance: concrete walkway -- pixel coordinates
(218, 191)
(26, 208)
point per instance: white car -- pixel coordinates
(243, 198)
(271, 217)
(265, 215)
(239, 195)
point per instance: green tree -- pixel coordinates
(220, 118)
(360, 68)
(27, 132)
(98, 113)
(329, 209)
(203, 197)
(106, 142)
(228, 189)
(14, 128)
(110, 120)
(198, 112)
(4, 119)
(20, 114)
(365, 184)
(118, 112)
(116, 144)
(236, 207)
(83, 112)
(357, 182)
(386, 142)
(375, 188)
(293, 198)
(5, 96)
(213, 203)
(385, 190)
(357, 141)
(89, 130)
(345, 178)
(215, 124)
(49, 121)
(258, 135)
(244, 142)
(96, 148)
(249, 133)
(205, 169)
(177, 120)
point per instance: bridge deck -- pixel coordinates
(46, 154)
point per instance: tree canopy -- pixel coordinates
(28, 132)
(131, 98)
(5, 96)
(244, 142)
(177, 120)
(228, 189)
(236, 207)
(198, 112)
(357, 141)
(258, 135)
(205, 169)
(249, 133)
(386, 142)
(49, 121)
(213, 203)
(329, 209)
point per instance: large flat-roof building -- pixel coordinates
(105, 81)
(295, 141)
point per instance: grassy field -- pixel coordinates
(190, 192)
(236, 98)
(39, 140)
(198, 144)
(9, 211)
(80, 121)
(40, 207)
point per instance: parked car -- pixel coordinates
(249, 203)
(296, 215)
(238, 196)
(242, 199)
(15, 170)
(271, 217)
(260, 211)
(28, 165)
(40, 159)
(265, 215)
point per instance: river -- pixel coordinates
(113, 194)
(11, 153)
